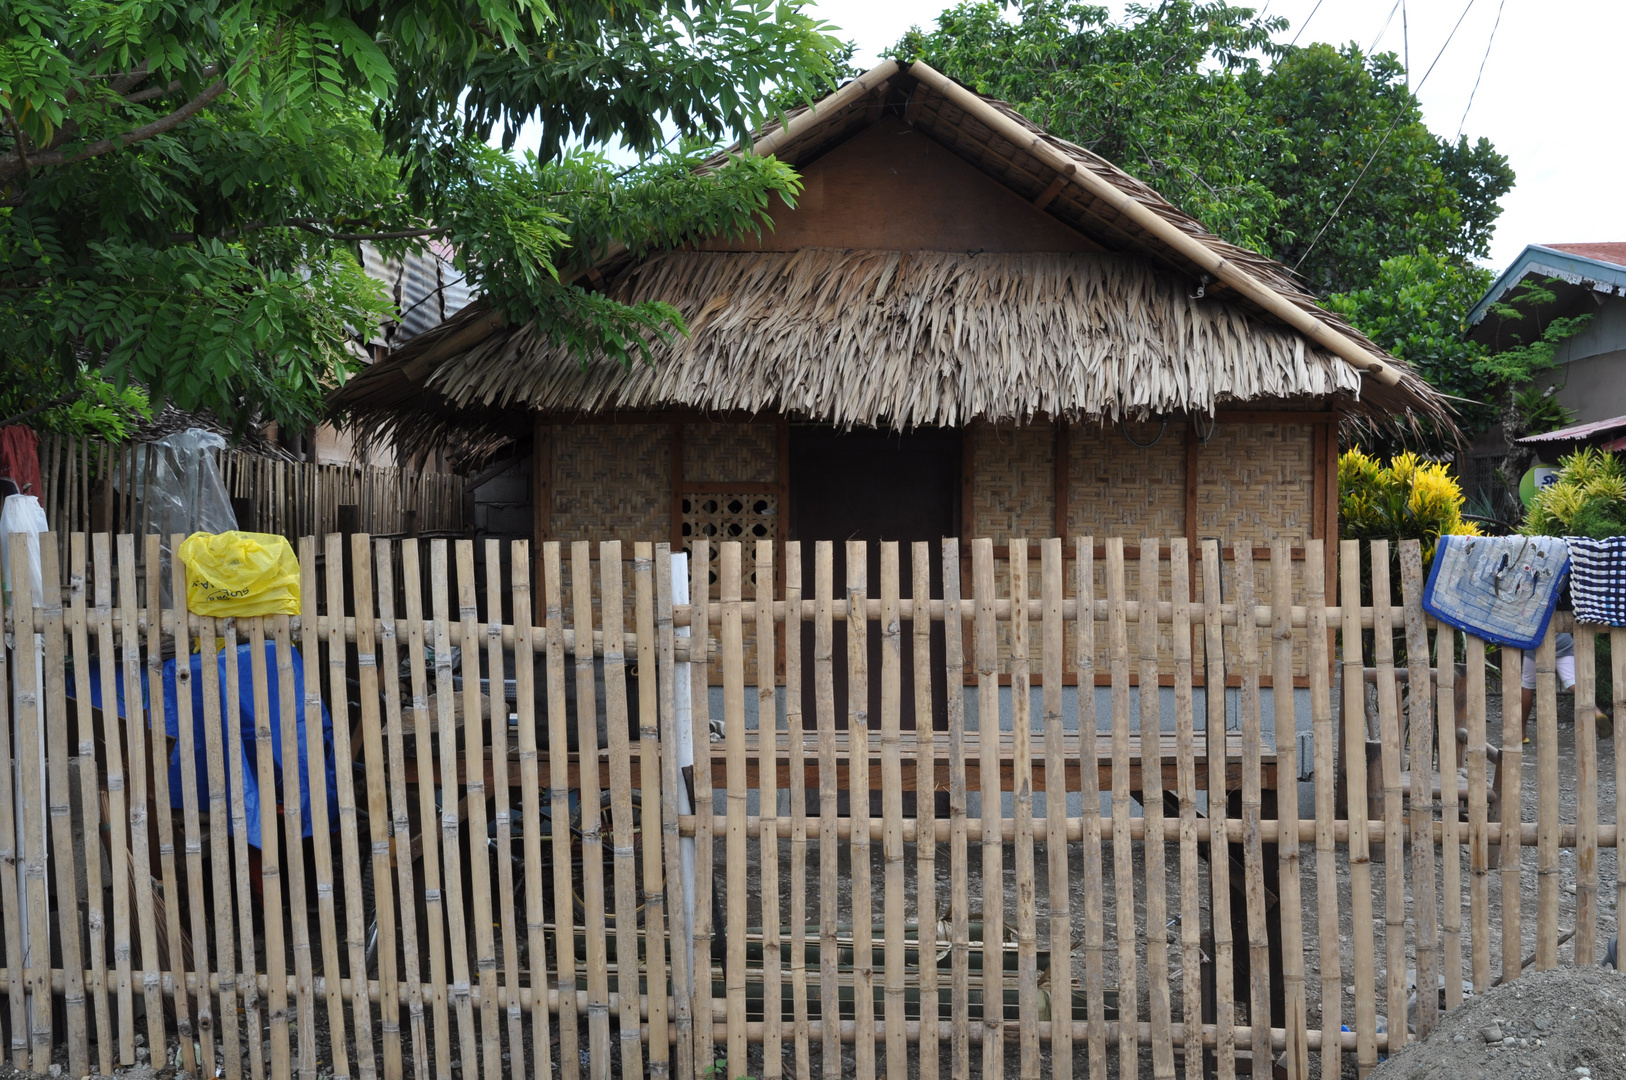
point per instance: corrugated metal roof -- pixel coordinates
(425, 288)
(1605, 253)
(1578, 432)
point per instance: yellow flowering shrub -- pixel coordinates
(1410, 498)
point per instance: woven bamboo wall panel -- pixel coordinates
(1115, 488)
(612, 482)
(1014, 481)
(730, 453)
(1256, 482)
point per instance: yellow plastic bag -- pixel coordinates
(240, 573)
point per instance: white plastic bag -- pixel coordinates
(22, 518)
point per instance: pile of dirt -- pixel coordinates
(1568, 1022)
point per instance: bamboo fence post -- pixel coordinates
(858, 794)
(1394, 813)
(1155, 851)
(892, 812)
(1053, 591)
(344, 777)
(959, 829)
(825, 708)
(1421, 722)
(564, 933)
(796, 737)
(59, 804)
(1547, 825)
(1287, 809)
(773, 1012)
(592, 818)
(1253, 858)
(1586, 796)
(1123, 859)
(294, 826)
(530, 788)
(1089, 731)
(926, 812)
(1324, 737)
(226, 822)
(1617, 673)
(1507, 854)
(400, 821)
(704, 804)
(1191, 948)
(434, 915)
(29, 727)
(276, 960)
(1219, 858)
(622, 846)
(1027, 939)
(652, 809)
(1360, 860)
(451, 839)
(136, 744)
(992, 798)
(671, 778)
(1450, 815)
(1478, 818)
(474, 788)
(10, 895)
(378, 807)
(90, 810)
(500, 756)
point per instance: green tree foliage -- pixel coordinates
(183, 186)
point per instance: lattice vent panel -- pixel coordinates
(719, 518)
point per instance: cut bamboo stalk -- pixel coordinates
(501, 754)
(226, 800)
(653, 804)
(434, 917)
(58, 802)
(90, 811)
(1547, 802)
(276, 959)
(992, 798)
(564, 937)
(1123, 861)
(892, 815)
(400, 822)
(1360, 861)
(959, 828)
(1287, 810)
(1191, 948)
(773, 1014)
(1155, 850)
(863, 910)
(622, 842)
(450, 829)
(1027, 939)
(1617, 672)
(1219, 861)
(796, 734)
(1450, 817)
(33, 820)
(1326, 809)
(1090, 811)
(825, 709)
(1394, 811)
(1511, 800)
(1586, 797)
(736, 898)
(10, 896)
(530, 788)
(1478, 816)
(1421, 723)
(378, 807)
(474, 792)
(1053, 643)
(344, 758)
(926, 820)
(293, 824)
(136, 745)
(1253, 858)
(671, 779)
(700, 619)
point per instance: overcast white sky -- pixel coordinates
(1547, 100)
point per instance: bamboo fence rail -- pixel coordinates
(504, 867)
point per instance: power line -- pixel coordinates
(1305, 23)
(1464, 121)
(1385, 28)
(1382, 143)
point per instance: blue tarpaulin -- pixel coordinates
(247, 720)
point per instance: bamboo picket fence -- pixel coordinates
(497, 891)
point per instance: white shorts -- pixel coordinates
(1564, 664)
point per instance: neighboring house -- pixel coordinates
(1590, 377)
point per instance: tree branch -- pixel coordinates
(12, 164)
(318, 226)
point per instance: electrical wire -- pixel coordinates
(1305, 23)
(1492, 40)
(1385, 28)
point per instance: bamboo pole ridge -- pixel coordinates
(735, 868)
(863, 908)
(1326, 811)
(1219, 862)
(1027, 945)
(1394, 812)
(1586, 796)
(652, 810)
(1090, 812)
(1360, 860)
(1123, 865)
(1051, 588)
(773, 1015)
(1191, 950)
(700, 617)
(1253, 858)
(1478, 816)
(1547, 802)
(1155, 849)
(825, 708)
(992, 798)
(1421, 723)
(1297, 1020)
(530, 790)
(959, 827)
(796, 735)
(592, 820)
(671, 777)
(927, 937)
(897, 1061)
(32, 821)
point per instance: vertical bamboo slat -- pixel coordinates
(1478, 816)
(1420, 719)
(1287, 809)
(773, 1012)
(1027, 942)
(227, 836)
(276, 960)
(592, 817)
(1360, 861)
(652, 808)
(1617, 675)
(677, 910)
(1547, 824)
(1191, 948)
(1052, 590)
(1219, 863)
(474, 786)
(796, 736)
(1154, 850)
(1090, 808)
(959, 828)
(892, 938)
(825, 707)
(622, 847)
(1253, 859)
(926, 935)
(1507, 854)
(29, 723)
(11, 915)
(1123, 858)
(863, 910)
(1586, 797)
(530, 789)
(1394, 813)
(992, 796)
(564, 935)
(700, 619)
(294, 825)
(1450, 817)
(1329, 959)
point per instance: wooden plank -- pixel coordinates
(276, 959)
(1253, 858)
(651, 809)
(1155, 851)
(925, 789)
(378, 806)
(1547, 823)
(773, 1014)
(1191, 945)
(564, 917)
(1324, 735)
(1090, 810)
(892, 811)
(1478, 824)
(32, 819)
(530, 790)
(1360, 861)
(990, 789)
(1027, 937)
(1123, 863)
(796, 734)
(825, 711)
(474, 741)
(400, 820)
(1287, 810)
(671, 779)
(737, 895)
(1420, 718)
(1586, 796)
(1450, 817)
(863, 911)
(623, 841)
(1511, 774)
(700, 621)
(1219, 863)
(1394, 814)
(294, 825)
(959, 828)
(1052, 590)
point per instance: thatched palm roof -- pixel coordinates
(891, 338)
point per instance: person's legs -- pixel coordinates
(1527, 693)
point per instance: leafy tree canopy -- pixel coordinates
(183, 185)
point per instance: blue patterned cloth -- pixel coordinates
(1499, 588)
(1598, 579)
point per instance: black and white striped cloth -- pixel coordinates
(1598, 579)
